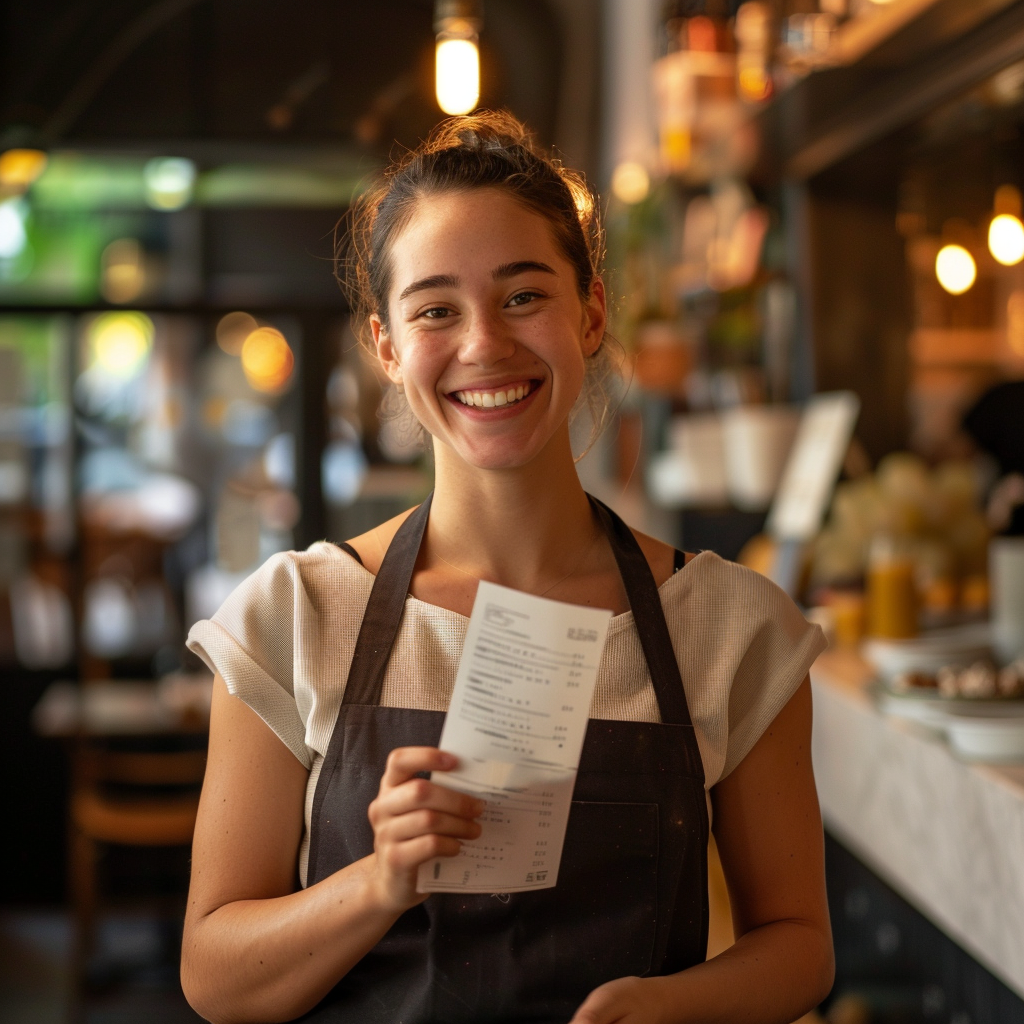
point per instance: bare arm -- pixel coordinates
(768, 829)
(258, 948)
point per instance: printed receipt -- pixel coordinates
(517, 720)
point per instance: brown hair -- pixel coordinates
(484, 150)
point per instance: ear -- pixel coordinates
(386, 351)
(595, 318)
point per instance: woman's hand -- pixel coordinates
(415, 820)
(768, 829)
(625, 1001)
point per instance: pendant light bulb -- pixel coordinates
(955, 268)
(1006, 239)
(457, 69)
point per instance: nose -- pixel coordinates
(487, 339)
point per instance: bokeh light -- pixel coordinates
(755, 83)
(123, 274)
(20, 167)
(955, 268)
(13, 236)
(120, 343)
(1006, 239)
(267, 360)
(233, 329)
(630, 182)
(457, 79)
(169, 182)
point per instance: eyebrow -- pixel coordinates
(507, 270)
(437, 281)
(500, 273)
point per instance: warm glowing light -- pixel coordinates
(267, 360)
(13, 237)
(123, 275)
(631, 182)
(20, 167)
(233, 329)
(955, 268)
(1006, 239)
(676, 148)
(754, 82)
(120, 342)
(457, 75)
(169, 182)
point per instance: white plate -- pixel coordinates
(987, 739)
(925, 707)
(979, 707)
(956, 646)
(930, 708)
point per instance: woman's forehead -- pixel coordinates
(464, 225)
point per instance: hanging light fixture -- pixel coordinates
(955, 268)
(1006, 231)
(457, 77)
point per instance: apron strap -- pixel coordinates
(648, 615)
(383, 615)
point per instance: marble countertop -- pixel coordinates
(945, 834)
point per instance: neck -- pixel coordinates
(520, 527)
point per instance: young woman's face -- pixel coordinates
(488, 331)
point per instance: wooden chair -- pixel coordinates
(124, 798)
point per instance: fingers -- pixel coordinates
(623, 1001)
(597, 1011)
(415, 820)
(428, 821)
(405, 762)
(403, 793)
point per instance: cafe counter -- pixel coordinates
(946, 835)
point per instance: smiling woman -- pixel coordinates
(474, 267)
(502, 315)
(462, 156)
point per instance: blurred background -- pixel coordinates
(802, 197)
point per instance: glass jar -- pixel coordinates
(892, 601)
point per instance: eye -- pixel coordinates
(522, 298)
(436, 313)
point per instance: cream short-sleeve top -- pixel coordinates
(283, 643)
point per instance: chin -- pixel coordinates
(494, 455)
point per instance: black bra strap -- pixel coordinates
(345, 546)
(678, 560)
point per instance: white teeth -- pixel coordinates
(493, 399)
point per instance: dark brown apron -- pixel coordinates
(631, 897)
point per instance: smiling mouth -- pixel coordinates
(495, 399)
